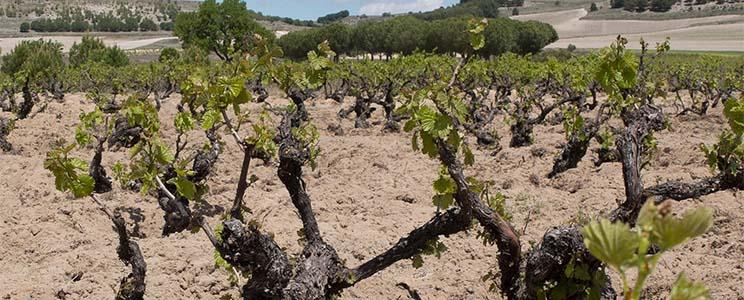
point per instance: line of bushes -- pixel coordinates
(408, 34)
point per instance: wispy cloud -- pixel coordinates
(397, 6)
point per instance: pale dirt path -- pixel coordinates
(685, 34)
(710, 38)
(126, 43)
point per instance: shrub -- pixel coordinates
(168, 54)
(93, 49)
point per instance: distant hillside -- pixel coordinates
(90, 15)
(475, 8)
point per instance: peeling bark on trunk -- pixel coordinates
(96, 170)
(521, 132)
(499, 231)
(450, 222)
(29, 99)
(575, 149)
(254, 252)
(178, 216)
(236, 212)
(606, 156)
(682, 190)
(391, 121)
(639, 123)
(362, 111)
(124, 135)
(570, 155)
(523, 125)
(131, 287)
(5, 125)
(340, 94)
(548, 261)
(298, 98)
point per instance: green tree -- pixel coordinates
(168, 55)
(338, 36)
(25, 27)
(329, 18)
(148, 25)
(593, 7)
(37, 64)
(93, 49)
(224, 28)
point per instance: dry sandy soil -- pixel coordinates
(124, 42)
(47, 238)
(686, 34)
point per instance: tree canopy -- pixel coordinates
(224, 28)
(407, 34)
(34, 60)
(93, 49)
(329, 18)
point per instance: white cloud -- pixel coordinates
(396, 6)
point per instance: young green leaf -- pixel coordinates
(612, 243)
(684, 289)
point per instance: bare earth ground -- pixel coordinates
(46, 237)
(719, 33)
(125, 42)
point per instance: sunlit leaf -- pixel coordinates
(612, 243)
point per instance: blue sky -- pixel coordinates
(312, 9)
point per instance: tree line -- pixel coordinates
(643, 5)
(408, 34)
(329, 18)
(476, 8)
(77, 20)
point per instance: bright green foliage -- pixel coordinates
(573, 124)
(433, 247)
(93, 49)
(608, 140)
(151, 155)
(734, 112)
(727, 156)
(225, 28)
(184, 186)
(477, 39)
(684, 289)
(221, 263)
(444, 189)
(612, 243)
(667, 231)
(622, 248)
(497, 202)
(35, 62)
(579, 283)
(89, 122)
(183, 122)
(263, 136)
(308, 134)
(169, 55)
(70, 174)
(308, 75)
(140, 112)
(617, 73)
